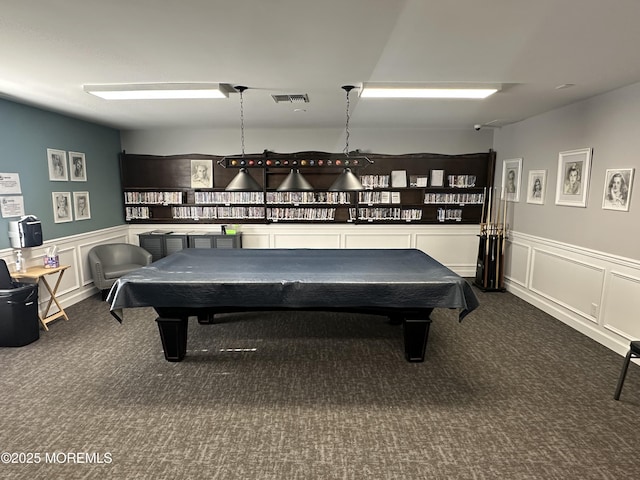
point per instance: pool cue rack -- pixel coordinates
(493, 236)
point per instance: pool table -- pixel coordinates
(403, 284)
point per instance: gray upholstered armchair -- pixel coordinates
(111, 261)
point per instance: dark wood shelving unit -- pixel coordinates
(465, 177)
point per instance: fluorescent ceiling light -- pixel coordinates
(159, 91)
(428, 91)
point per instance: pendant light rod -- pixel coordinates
(347, 181)
(347, 89)
(243, 181)
(241, 89)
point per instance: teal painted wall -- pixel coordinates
(26, 133)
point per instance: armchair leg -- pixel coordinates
(103, 294)
(623, 374)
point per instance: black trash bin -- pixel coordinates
(19, 324)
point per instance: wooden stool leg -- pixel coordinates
(623, 374)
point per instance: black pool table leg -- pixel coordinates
(416, 334)
(205, 318)
(173, 333)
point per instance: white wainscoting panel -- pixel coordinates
(571, 283)
(456, 250)
(255, 240)
(297, 240)
(517, 262)
(70, 280)
(621, 307)
(594, 292)
(378, 240)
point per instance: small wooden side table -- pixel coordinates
(40, 274)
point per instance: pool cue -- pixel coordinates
(482, 228)
(504, 239)
(484, 205)
(499, 230)
(485, 279)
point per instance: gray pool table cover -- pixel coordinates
(401, 279)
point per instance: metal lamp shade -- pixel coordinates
(243, 182)
(347, 181)
(295, 182)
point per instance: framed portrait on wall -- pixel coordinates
(536, 186)
(437, 178)
(617, 189)
(61, 207)
(201, 171)
(511, 179)
(81, 205)
(77, 167)
(57, 161)
(574, 167)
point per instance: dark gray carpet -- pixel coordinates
(508, 393)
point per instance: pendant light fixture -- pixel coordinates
(243, 181)
(347, 181)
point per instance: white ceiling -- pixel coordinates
(51, 48)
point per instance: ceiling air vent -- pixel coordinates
(296, 98)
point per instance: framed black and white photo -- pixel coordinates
(511, 179)
(61, 207)
(77, 167)
(437, 178)
(81, 206)
(536, 186)
(57, 160)
(201, 173)
(617, 189)
(574, 167)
